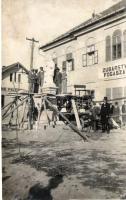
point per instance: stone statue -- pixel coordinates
(49, 85)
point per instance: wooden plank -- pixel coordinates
(3, 117)
(74, 128)
(76, 115)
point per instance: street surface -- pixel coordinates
(56, 164)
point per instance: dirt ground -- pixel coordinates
(56, 164)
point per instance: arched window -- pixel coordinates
(124, 43)
(108, 48)
(117, 45)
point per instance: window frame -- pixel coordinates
(117, 44)
(94, 59)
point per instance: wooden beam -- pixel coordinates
(74, 128)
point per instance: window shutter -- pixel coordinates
(19, 78)
(108, 93)
(108, 48)
(84, 60)
(96, 57)
(64, 66)
(117, 92)
(72, 64)
(124, 43)
(11, 77)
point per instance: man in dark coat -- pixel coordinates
(31, 81)
(58, 80)
(41, 77)
(105, 113)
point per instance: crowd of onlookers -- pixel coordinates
(103, 116)
(107, 114)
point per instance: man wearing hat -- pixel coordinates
(58, 80)
(105, 113)
(41, 77)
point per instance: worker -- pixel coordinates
(36, 81)
(105, 114)
(58, 80)
(31, 81)
(41, 78)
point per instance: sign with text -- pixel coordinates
(117, 71)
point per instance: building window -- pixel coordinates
(90, 58)
(108, 48)
(19, 78)
(84, 60)
(117, 92)
(3, 100)
(64, 66)
(11, 77)
(124, 43)
(70, 65)
(108, 93)
(116, 45)
(70, 61)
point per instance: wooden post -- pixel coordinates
(74, 128)
(3, 117)
(76, 115)
(30, 113)
(32, 51)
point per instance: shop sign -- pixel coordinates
(115, 71)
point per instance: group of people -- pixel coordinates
(35, 80)
(106, 112)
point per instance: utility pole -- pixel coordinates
(32, 50)
(30, 103)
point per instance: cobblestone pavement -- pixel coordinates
(56, 164)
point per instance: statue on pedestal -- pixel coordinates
(49, 85)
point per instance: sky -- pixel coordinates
(42, 19)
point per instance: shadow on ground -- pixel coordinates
(38, 192)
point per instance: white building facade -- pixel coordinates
(94, 53)
(14, 79)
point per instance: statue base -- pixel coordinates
(49, 90)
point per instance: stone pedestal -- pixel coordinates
(49, 90)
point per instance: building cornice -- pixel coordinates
(96, 24)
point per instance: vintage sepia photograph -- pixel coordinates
(63, 99)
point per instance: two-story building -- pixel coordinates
(94, 53)
(14, 79)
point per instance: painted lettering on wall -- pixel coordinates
(114, 71)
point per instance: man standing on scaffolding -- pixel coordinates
(31, 81)
(58, 80)
(41, 78)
